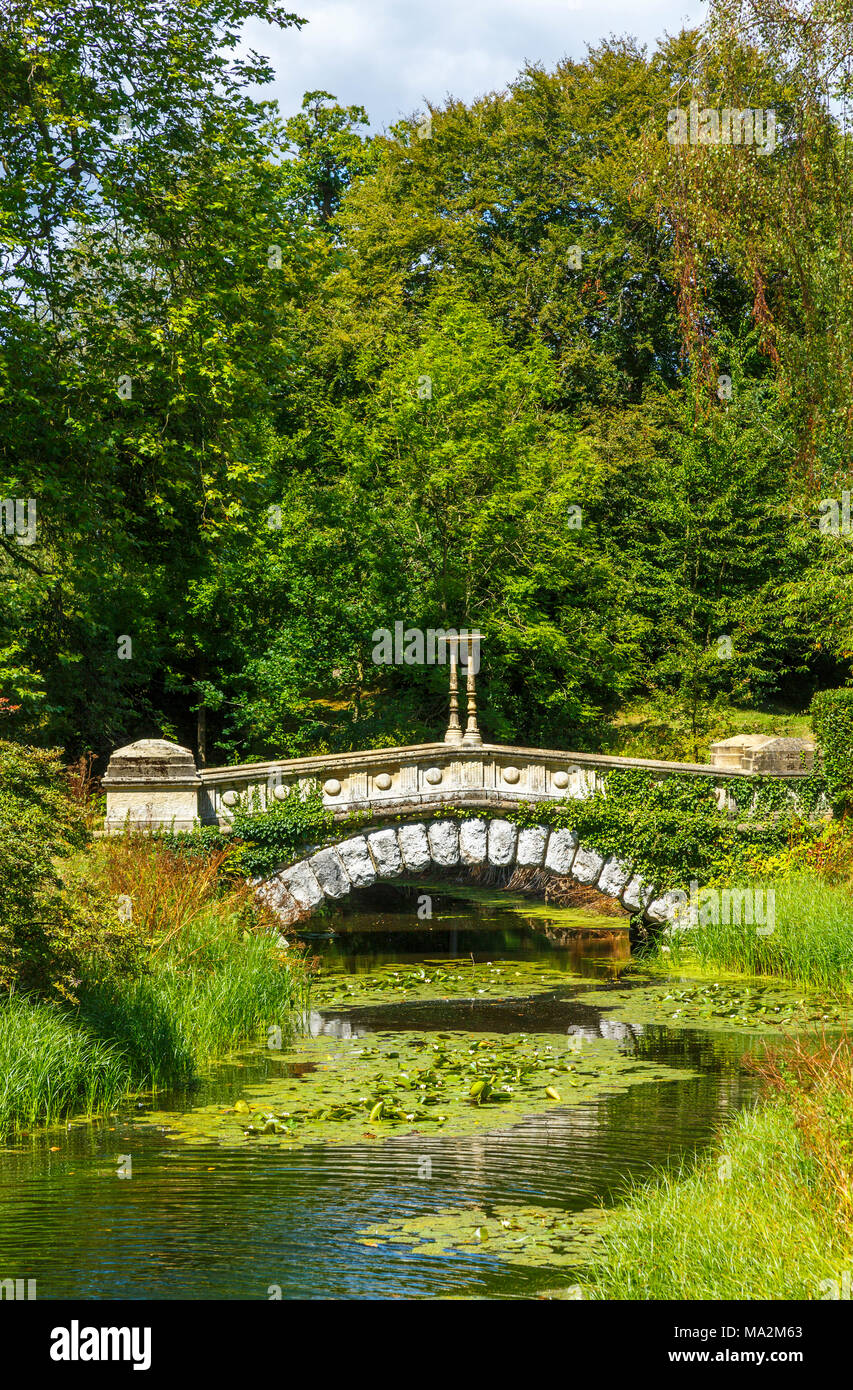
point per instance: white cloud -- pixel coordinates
(391, 55)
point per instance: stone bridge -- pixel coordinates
(156, 785)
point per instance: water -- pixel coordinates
(241, 1221)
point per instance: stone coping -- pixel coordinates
(411, 753)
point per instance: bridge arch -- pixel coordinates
(410, 847)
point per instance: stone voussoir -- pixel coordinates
(300, 882)
(357, 861)
(414, 847)
(386, 854)
(587, 867)
(443, 836)
(532, 843)
(503, 838)
(276, 897)
(636, 893)
(667, 906)
(329, 871)
(614, 876)
(562, 848)
(473, 841)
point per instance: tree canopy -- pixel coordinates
(273, 382)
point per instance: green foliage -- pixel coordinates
(51, 1067)
(720, 1230)
(563, 480)
(272, 837)
(811, 941)
(671, 829)
(38, 823)
(832, 721)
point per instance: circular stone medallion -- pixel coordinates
(560, 779)
(511, 775)
(332, 787)
(383, 782)
(433, 776)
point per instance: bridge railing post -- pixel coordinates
(152, 785)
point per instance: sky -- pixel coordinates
(390, 56)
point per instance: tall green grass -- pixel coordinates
(749, 1221)
(207, 991)
(767, 1213)
(204, 994)
(811, 943)
(51, 1066)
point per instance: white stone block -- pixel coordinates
(667, 906)
(503, 838)
(562, 847)
(614, 877)
(473, 841)
(330, 873)
(414, 847)
(636, 893)
(587, 866)
(386, 853)
(302, 885)
(444, 843)
(531, 846)
(357, 861)
(275, 896)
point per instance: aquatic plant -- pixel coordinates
(811, 941)
(50, 1065)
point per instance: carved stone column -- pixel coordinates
(454, 728)
(472, 738)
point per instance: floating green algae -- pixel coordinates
(440, 979)
(755, 1006)
(520, 1235)
(397, 1084)
(583, 919)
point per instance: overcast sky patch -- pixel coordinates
(391, 56)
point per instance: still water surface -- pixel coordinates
(224, 1222)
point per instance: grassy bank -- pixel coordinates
(176, 965)
(767, 1214)
(810, 944)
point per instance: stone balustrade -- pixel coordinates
(154, 784)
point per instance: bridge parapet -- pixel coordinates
(154, 784)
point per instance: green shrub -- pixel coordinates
(670, 829)
(39, 823)
(272, 837)
(832, 721)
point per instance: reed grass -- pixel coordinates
(811, 943)
(51, 1066)
(765, 1214)
(208, 977)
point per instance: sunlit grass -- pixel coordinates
(745, 1223)
(208, 978)
(51, 1066)
(767, 1213)
(811, 943)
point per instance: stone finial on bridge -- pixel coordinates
(152, 785)
(464, 647)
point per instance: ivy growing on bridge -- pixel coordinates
(671, 830)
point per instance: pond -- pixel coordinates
(470, 1090)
